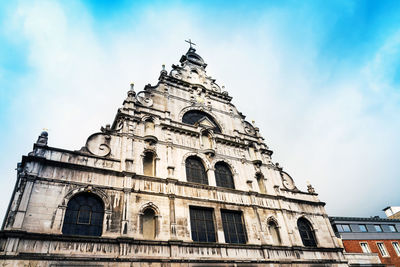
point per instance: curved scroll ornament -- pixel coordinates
(143, 98)
(248, 128)
(215, 87)
(287, 181)
(99, 144)
(176, 74)
(119, 125)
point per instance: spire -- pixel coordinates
(190, 43)
(192, 57)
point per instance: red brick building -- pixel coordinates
(370, 235)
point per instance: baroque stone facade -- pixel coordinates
(179, 179)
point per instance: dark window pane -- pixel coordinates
(84, 215)
(363, 228)
(202, 225)
(233, 226)
(306, 233)
(195, 171)
(346, 228)
(193, 116)
(80, 218)
(223, 175)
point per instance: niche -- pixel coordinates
(149, 224)
(260, 181)
(149, 164)
(206, 140)
(274, 232)
(149, 127)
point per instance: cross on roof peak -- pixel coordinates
(190, 42)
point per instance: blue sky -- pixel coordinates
(320, 78)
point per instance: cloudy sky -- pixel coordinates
(320, 78)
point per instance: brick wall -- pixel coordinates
(392, 260)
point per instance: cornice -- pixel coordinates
(161, 180)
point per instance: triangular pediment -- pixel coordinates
(206, 123)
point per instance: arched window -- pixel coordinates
(84, 215)
(306, 233)
(196, 116)
(274, 232)
(149, 224)
(223, 175)
(149, 164)
(195, 171)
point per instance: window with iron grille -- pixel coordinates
(202, 224)
(234, 230)
(84, 215)
(195, 171)
(223, 175)
(306, 233)
(193, 116)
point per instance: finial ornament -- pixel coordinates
(310, 189)
(131, 92)
(43, 138)
(190, 42)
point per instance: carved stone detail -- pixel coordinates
(99, 144)
(144, 98)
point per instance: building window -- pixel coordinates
(195, 171)
(392, 228)
(149, 224)
(274, 232)
(365, 247)
(346, 228)
(234, 230)
(193, 116)
(223, 175)
(84, 215)
(363, 228)
(343, 228)
(382, 249)
(202, 224)
(378, 228)
(306, 233)
(396, 248)
(149, 164)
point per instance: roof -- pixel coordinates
(371, 219)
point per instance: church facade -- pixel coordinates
(180, 178)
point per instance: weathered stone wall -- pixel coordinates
(110, 165)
